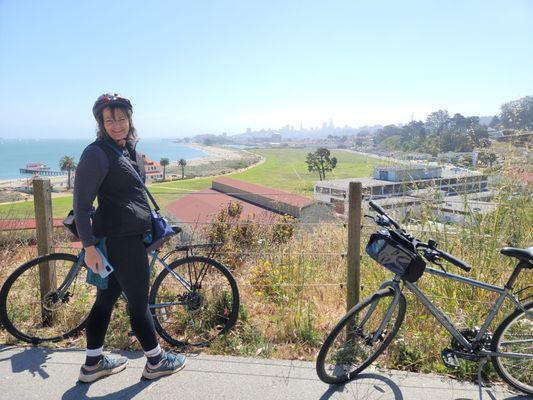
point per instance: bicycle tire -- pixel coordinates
(343, 365)
(195, 317)
(21, 304)
(507, 367)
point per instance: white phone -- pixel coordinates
(107, 268)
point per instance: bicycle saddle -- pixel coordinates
(525, 255)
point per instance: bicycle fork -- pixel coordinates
(394, 286)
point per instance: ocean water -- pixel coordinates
(15, 154)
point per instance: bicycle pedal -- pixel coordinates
(449, 358)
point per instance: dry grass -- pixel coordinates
(292, 285)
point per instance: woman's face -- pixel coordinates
(116, 124)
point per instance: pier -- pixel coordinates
(41, 172)
(40, 169)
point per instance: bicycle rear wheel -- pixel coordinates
(360, 337)
(515, 335)
(194, 303)
(35, 317)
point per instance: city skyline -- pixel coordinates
(224, 66)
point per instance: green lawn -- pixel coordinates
(60, 208)
(286, 169)
(283, 169)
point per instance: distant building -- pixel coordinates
(275, 138)
(260, 203)
(456, 210)
(404, 174)
(154, 171)
(419, 157)
(407, 184)
(494, 133)
(40, 169)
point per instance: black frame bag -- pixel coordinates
(70, 223)
(396, 255)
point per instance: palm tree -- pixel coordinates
(164, 162)
(67, 164)
(182, 163)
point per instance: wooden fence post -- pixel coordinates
(42, 199)
(353, 283)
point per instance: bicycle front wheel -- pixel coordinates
(360, 337)
(515, 335)
(34, 315)
(194, 301)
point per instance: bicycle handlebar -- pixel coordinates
(381, 211)
(455, 261)
(448, 257)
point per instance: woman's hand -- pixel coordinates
(93, 259)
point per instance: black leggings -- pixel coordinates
(131, 275)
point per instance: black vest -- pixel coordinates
(123, 208)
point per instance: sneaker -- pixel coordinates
(106, 366)
(169, 364)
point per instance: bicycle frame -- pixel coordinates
(71, 276)
(155, 258)
(505, 292)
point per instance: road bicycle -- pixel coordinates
(370, 326)
(192, 300)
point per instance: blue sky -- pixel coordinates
(223, 66)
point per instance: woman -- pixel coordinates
(109, 169)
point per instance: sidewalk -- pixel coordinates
(39, 373)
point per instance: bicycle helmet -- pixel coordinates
(108, 99)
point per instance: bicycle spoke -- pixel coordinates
(35, 316)
(199, 314)
(360, 337)
(515, 335)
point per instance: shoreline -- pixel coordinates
(9, 184)
(214, 154)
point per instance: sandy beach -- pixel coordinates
(23, 182)
(214, 154)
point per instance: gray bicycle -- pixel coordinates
(370, 326)
(193, 299)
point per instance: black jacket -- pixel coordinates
(123, 207)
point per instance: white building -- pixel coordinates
(154, 171)
(404, 189)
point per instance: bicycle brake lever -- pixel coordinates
(436, 262)
(382, 221)
(433, 258)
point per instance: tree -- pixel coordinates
(386, 132)
(462, 134)
(494, 122)
(413, 135)
(164, 162)
(67, 164)
(487, 158)
(436, 121)
(518, 114)
(182, 163)
(320, 161)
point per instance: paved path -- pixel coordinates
(39, 373)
